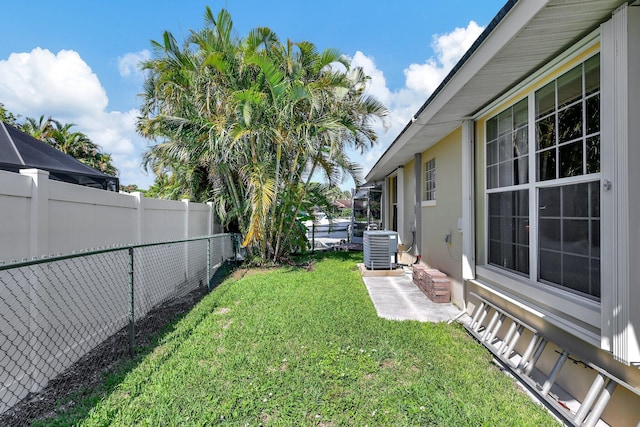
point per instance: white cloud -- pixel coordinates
(64, 87)
(448, 49)
(129, 64)
(421, 81)
(41, 82)
(378, 83)
(111, 130)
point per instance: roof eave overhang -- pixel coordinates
(472, 85)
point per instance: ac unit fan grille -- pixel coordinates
(380, 249)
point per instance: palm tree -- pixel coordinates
(40, 128)
(7, 116)
(257, 118)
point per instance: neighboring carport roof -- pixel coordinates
(524, 36)
(21, 151)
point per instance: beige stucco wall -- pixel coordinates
(441, 219)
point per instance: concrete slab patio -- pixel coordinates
(396, 297)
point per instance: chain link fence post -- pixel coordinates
(132, 315)
(235, 242)
(209, 264)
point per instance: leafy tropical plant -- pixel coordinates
(75, 144)
(40, 128)
(7, 116)
(248, 123)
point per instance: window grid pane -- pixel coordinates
(569, 237)
(568, 123)
(430, 180)
(508, 147)
(509, 230)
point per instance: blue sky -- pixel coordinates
(76, 60)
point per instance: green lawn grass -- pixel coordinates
(295, 347)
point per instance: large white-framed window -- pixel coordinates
(542, 170)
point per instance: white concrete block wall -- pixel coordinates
(15, 207)
(162, 220)
(85, 218)
(40, 217)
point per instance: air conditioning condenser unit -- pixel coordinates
(380, 250)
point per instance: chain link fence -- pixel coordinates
(59, 313)
(328, 236)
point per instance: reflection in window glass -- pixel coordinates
(508, 147)
(569, 237)
(570, 86)
(492, 130)
(505, 122)
(593, 114)
(492, 176)
(520, 114)
(522, 142)
(506, 174)
(546, 100)
(568, 123)
(546, 165)
(505, 148)
(521, 170)
(592, 75)
(546, 132)
(492, 153)
(570, 159)
(509, 230)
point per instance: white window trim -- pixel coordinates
(425, 201)
(535, 300)
(428, 203)
(620, 251)
(468, 212)
(398, 174)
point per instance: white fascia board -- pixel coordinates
(392, 152)
(500, 37)
(521, 13)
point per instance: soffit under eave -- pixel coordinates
(525, 54)
(429, 117)
(556, 27)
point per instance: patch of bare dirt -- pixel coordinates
(63, 392)
(242, 272)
